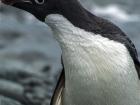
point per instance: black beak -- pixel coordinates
(27, 5)
(11, 2)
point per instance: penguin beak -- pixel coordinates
(11, 2)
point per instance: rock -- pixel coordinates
(30, 59)
(8, 101)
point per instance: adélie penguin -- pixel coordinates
(101, 65)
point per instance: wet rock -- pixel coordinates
(28, 59)
(8, 101)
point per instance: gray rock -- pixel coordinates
(29, 59)
(8, 101)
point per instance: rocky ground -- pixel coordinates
(29, 59)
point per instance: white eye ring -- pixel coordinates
(40, 2)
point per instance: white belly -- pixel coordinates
(98, 71)
(99, 78)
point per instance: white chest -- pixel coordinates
(98, 71)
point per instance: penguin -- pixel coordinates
(101, 65)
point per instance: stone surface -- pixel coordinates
(29, 59)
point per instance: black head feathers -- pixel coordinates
(41, 8)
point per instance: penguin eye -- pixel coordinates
(40, 2)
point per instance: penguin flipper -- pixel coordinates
(137, 65)
(57, 97)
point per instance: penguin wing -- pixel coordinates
(57, 97)
(133, 52)
(137, 65)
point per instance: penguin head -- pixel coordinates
(39, 8)
(72, 10)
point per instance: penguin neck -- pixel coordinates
(70, 18)
(76, 14)
(65, 32)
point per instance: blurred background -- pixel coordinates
(30, 58)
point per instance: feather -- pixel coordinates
(57, 97)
